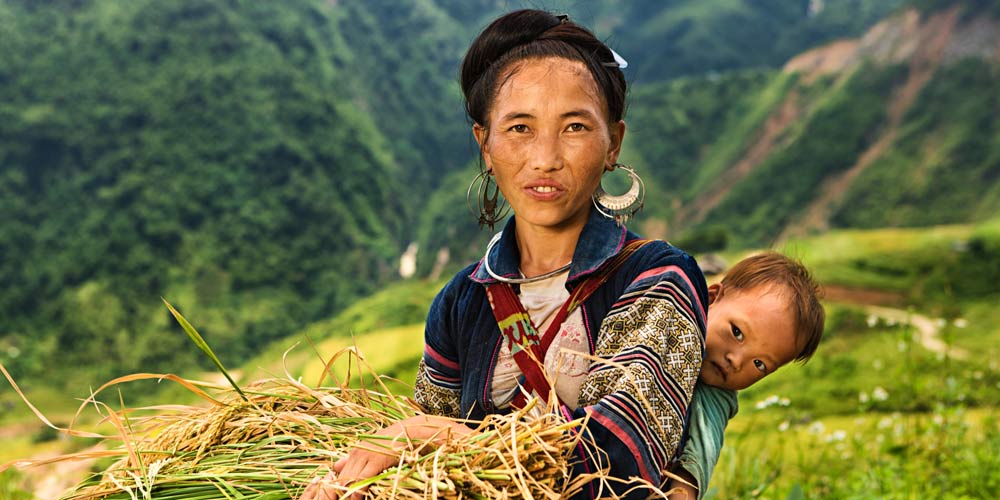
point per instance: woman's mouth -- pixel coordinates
(544, 190)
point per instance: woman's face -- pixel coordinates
(549, 141)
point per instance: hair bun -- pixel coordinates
(500, 37)
(527, 34)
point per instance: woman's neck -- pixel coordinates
(546, 249)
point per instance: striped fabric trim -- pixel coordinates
(440, 370)
(435, 397)
(676, 271)
(652, 338)
(439, 358)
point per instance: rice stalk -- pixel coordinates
(272, 438)
(273, 444)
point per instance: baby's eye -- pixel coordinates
(519, 128)
(760, 365)
(737, 333)
(576, 127)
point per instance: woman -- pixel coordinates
(547, 101)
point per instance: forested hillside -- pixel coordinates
(201, 151)
(896, 128)
(263, 164)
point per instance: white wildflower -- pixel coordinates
(880, 394)
(872, 320)
(961, 323)
(862, 397)
(836, 436)
(783, 426)
(768, 401)
(817, 427)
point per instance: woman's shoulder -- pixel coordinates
(660, 253)
(658, 263)
(461, 284)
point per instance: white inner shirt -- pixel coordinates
(566, 370)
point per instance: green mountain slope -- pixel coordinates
(192, 150)
(898, 128)
(263, 164)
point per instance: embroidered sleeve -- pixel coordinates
(434, 392)
(439, 384)
(637, 395)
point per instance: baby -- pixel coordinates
(764, 313)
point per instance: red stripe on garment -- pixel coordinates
(432, 376)
(428, 351)
(623, 437)
(676, 269)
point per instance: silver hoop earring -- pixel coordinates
(621, 207)
(490, 207)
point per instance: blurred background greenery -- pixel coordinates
(264, 165)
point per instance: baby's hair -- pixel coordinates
(535, 34)
(775, 269)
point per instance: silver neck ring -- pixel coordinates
(516, 281)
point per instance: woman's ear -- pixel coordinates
(617, 131)
(714, 293)
(481, 134)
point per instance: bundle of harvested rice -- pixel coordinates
(270, 439)
(271, 447)
(273, 443)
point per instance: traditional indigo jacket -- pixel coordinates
(647, 320)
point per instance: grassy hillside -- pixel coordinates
(922, 422)
(263, 165)
(945, 164)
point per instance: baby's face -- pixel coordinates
(751, 333)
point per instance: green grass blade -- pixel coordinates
(200, 342)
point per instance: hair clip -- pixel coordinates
(619, 63)
(563, 18)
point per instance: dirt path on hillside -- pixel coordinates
(771, 135)
(877, 303)
(926, 59)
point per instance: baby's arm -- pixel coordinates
(711, 409)
(682, 491)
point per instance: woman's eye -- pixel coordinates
(737, 333)
(576, 127)
(760, 365)
(520, 128)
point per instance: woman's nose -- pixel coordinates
(545, 154)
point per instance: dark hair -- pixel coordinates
(773, 268)
(529, 34)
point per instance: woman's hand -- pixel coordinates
(364, 462)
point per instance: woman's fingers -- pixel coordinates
(359, 464)
(321, 488)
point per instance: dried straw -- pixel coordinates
(270, 439)
(285, 434)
